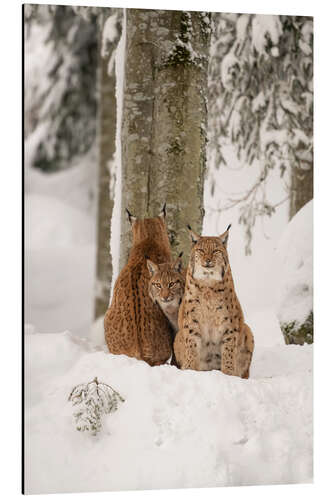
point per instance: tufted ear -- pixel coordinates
(178, 263)
(162, 213)
(152, 268)
(194, 236)
(131, 217)
(224, 236)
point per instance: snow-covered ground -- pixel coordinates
(176, 428)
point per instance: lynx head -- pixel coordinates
(167, 283)
(209, 257)
(153, 228)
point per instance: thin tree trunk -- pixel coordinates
(164, 120)
(301, 189)
(106, 179)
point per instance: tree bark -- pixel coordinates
(106, 178)
(164, 121)
(301, 189)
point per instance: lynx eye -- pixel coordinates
(171, 284)
(200, 250)
(217, 251)
(158, 285)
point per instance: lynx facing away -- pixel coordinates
(166, 288)
(212, 333)
(133, 324)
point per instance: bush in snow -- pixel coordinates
(295, 297)
(92, 401)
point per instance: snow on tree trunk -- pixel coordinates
(106, 147)
(164, 120)
(295, 295)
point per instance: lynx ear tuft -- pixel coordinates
(162, 213)
(131, 217)
(152, 268)
(194, 236)
(224, 236)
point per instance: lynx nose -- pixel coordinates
(208, 263)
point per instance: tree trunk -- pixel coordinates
(164, 121)
(106, 177)
(301, 189)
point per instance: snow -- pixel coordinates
(176, 428)
(109, 33)
(59, 256)
(259, 102)
(295, 255)
(263, 25)
(230, 62)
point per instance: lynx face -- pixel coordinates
(209, 257)
(166, 288)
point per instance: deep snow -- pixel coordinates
(176, 428)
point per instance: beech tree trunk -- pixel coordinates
(164, 121)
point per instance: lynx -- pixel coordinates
(166, 288)
(212, 333)
(133, 324)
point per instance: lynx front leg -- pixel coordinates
(244, 352)
(228, 354)
(186, 351)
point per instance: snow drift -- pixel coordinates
(295, 257)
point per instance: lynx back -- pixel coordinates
(134, 325)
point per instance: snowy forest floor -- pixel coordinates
(176, 428)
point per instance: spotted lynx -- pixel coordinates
(133, 324)
(212, 333)
(166, 288)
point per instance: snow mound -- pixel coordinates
(175, 429)
(48, 355)
(295, 259)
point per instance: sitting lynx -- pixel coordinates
(133, 324)
(166, 288)
(212, 333)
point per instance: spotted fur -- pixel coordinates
(134, 325)
(212, 333)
